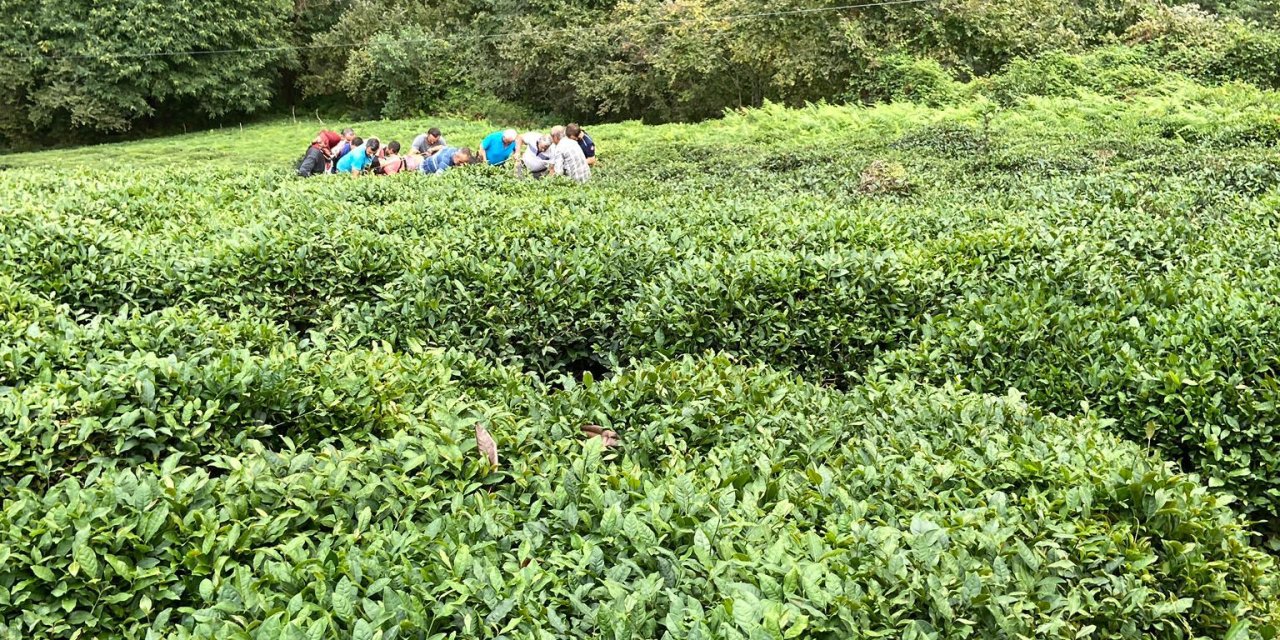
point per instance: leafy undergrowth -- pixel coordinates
(235, 404)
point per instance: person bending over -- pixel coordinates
(446, 159)
(566, 158)
(360, 156)
(315, 160)
(575, 133)
(342, 147)
(390, 162)
(498, 146)
(534, 160)
(327, 139)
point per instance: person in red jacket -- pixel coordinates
(333, 144)
(327, 139)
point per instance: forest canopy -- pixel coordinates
(76, 71)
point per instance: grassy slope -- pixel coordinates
(1039, 123)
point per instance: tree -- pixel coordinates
(80, 67)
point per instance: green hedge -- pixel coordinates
(1034, 237)
(236, 404)
(743, 504)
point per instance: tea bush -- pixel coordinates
(743, 503)
(288, 373)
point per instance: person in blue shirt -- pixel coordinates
(359, 157)
(341, 148)
(575, 133)
(498, 146)
(446, 158)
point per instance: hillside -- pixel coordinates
(1001, 367)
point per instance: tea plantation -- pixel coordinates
(989, 370)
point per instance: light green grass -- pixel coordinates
(256, 144)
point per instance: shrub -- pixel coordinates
(409, 72)
(883, 177)
(948, 139)
(87, 78)
(904, 78)
(742, 503)
(1053, 74)
(1250, 57)
(1196, 42)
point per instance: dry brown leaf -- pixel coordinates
(487, 446)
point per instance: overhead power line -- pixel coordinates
(492, 36)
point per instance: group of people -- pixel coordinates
(566, 151)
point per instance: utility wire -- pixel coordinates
(492, 36)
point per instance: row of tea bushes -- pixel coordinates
(996, 273)
(742, 503)
(139, 387)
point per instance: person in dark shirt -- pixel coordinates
(313, 163)
(575, 133)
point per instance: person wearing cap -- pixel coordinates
(566, 158)
(498, 146)
(533, 159)
(575, 133)
(429, 142)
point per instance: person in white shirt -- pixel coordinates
(534, 160)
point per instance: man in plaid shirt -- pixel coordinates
(567, 158)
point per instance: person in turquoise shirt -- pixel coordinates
(359, 157)
(498, 146)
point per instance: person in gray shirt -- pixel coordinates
(429, 142)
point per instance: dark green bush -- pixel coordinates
(76, 70)
(770, 254)
(903, 78)
(410, 72)
(1250, 57)
(298, 342)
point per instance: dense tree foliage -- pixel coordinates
(583, 59)
(99, 67)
